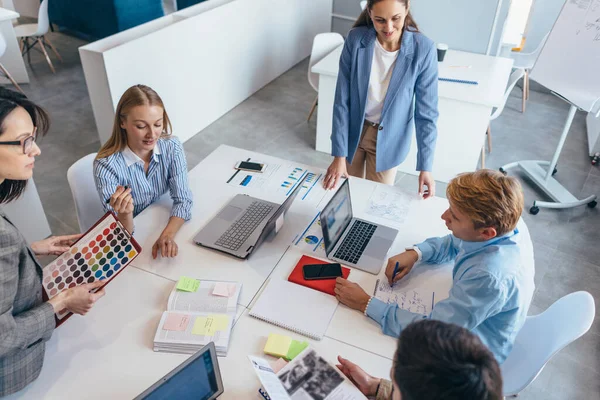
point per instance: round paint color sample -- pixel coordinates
(90, 279)
(80, 280)
(128, 248)
(109, 274)
(98, 273)
(102, 243)
(106, 232)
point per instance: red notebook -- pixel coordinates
(324, 285)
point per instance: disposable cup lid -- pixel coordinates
(442, 46)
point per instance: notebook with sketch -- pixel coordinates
(419, 301)
(294, 307)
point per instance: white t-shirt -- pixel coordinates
(382, 67)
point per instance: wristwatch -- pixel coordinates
(415, 248)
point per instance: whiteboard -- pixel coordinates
(569, 63)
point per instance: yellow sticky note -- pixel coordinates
(188, 284)
(208, 326)
(277, 345)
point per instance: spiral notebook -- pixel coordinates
(294, 307)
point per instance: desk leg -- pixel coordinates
(325, 113)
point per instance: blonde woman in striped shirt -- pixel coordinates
(142, 161)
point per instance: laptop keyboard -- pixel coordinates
(355, 242)
(240, 230)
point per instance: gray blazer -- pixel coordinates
(26, 321)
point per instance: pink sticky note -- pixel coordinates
(176, 322)
(278, 365)
(223, 290)
(232, 288)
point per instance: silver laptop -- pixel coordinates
(350, 240)
(196, 378)
(244, 223)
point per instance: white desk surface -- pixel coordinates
(491, 73)
(6, 14)
(211, 193)
(108, 353)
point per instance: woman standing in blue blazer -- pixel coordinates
(388, 79)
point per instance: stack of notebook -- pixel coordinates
(198, 312)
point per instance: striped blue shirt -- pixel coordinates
(167, 171)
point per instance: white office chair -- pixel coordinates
(323, 44)
(363, 4)
(37, 33)
(525, 62)
(543, 336)
(2, 69)
(88, 205)
(512, 81)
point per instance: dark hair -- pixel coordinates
(437, 360)
(365, 20)
(9, 101)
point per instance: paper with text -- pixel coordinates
(419, 301)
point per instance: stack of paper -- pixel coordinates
(198, 312)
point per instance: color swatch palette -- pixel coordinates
(100, 254)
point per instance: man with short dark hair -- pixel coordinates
(434, 361)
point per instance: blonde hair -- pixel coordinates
(138, 95)
(488, 198)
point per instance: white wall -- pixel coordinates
(462, 24)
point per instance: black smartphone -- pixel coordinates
(321, 271)
(250, 166)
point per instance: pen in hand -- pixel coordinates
(394, 274)
(124, 188)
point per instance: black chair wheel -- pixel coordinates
(554, 172)
(592, 204)
(534, 210)
(502, 170)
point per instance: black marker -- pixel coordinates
(108, 201)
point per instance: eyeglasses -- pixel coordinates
(26, 143)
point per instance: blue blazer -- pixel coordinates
(415, 76)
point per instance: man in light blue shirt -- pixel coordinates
(492, 278)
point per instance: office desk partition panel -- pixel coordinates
(203, 69)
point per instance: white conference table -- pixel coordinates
(12, 58)
(108, 353)
(464, 110)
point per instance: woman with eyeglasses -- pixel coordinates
(140, 162)
(26, 321)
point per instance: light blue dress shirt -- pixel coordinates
(491, 290)
(167, 171)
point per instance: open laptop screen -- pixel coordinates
(198, 378)
(336, 216)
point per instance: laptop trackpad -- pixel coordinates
(378, 247)
(230, 213)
